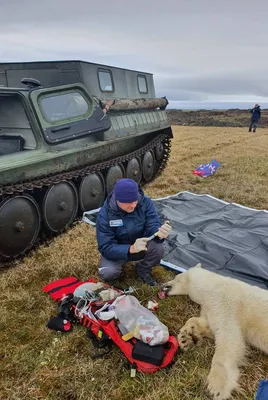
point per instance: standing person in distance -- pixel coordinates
(255, 117)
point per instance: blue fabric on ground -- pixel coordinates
(205, 170)
(262, 391)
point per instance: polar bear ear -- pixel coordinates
(198, 265)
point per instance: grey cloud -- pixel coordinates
(232, 83)
(178, 94)
(195, 48)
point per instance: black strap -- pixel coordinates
(62, 286)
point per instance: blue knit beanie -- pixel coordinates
(126, 190)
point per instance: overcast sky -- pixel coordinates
(198, 50)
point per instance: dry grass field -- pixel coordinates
(38, 364)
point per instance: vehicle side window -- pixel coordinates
(142, 84)
(105, 80)
(16, 134)
(63, 106)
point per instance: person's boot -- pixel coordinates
(146, 276)
(149, 280)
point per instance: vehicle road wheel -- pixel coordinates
(159, 151)
(148, 164)
(134, 170)
(91, 192)
(60, 205)
(19, 225)
(114, 174)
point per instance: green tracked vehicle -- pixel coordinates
(68, 131)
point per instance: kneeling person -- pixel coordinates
(124, 223)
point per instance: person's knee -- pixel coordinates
(108, 274)
(158, 250)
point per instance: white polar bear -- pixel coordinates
(232, 312)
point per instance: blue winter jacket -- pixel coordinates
(117, 230)
(256, 114)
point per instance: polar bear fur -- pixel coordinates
(234, 313)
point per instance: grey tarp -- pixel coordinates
(227, 238)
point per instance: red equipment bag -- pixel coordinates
(105, 333)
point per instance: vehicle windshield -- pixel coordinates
(63, 106)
